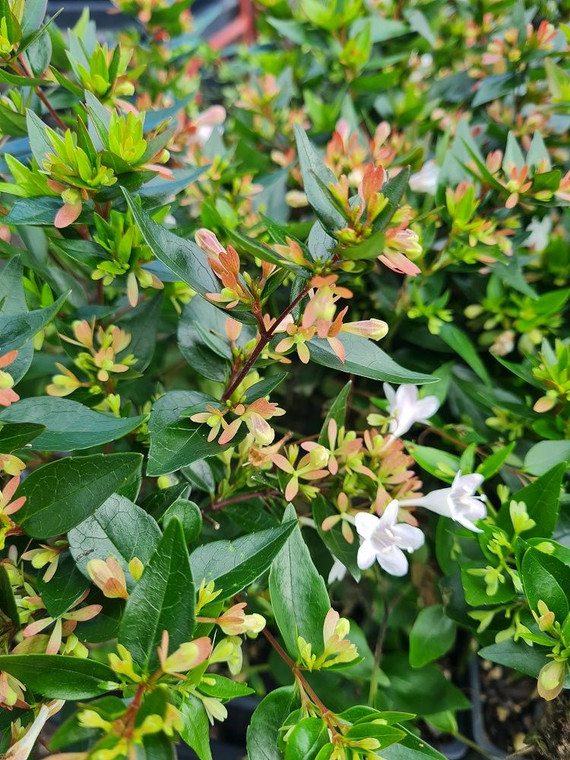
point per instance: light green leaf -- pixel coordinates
(16, 329)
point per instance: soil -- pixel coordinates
(518, 721)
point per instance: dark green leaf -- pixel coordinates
(364, 358)
(69, 426)
(58, 676)
(234, 565)
(7, 601)
(462, 344)
(548, 579)
(117, 529)
(63, 493)
(64, 589)
(189, 515)
(183, 257)
(176, 442)
(298, 593)
(432, 635)
(164, 599)
(14, 436)
(16, 329)
(337, 412)
(542, 498)
(269, 716)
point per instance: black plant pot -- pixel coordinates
(478, 729)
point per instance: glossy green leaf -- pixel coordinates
(8, 605)
(298, 593)
(69, 426)
(189, 515)
(542, 499)
(463, 345)
(195, 730)
(269, 716)
(176, 442)
(234, 565)
(117, 529)
(16, 329)
(183, 257)
(432, 635)
(63, 493)
(365, 359)
(306, 739)
(14, 436)
(65, 588)
(164, 599)
(546, 579)
(58, 676)
(337, 412)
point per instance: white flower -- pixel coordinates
(383, 540)
(337, 573)
(539, 233)
(406, 408)
(425, 181)
(458, 501)
(23, 747)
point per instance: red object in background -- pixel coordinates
(242, 28)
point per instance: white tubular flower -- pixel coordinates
(406, 408)
(22, 749)
(337, 572)
(458, 502)
(425, 181)
(383, 540)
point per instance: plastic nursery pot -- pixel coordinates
(478, 728)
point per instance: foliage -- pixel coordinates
(233, 286)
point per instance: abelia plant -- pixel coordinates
(283, 377)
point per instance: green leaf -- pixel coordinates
(234, 565)
(33, 17)
(543, 455)
(432, 635)
(33, 212)
(462, 344)
(164, 599)
(195, 726)
(65, 588)
(117, 529)
(333, 538)
(69, 426)
(495, 461)
(58, 676)
(187, 260)
(14, 436)
(548, 579)
(266, 721)
(337, 412)
(306, 739)
(7, 601)
(316, 177)
(141, 323)
(298, 593)
(386, 735)
(16, 329)
(365, 359)
(63, 493)
(175, 442)
(412, 747)
(542, 499)
(189, 515)
(440, 464)
(224, 688)
(517, 655)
